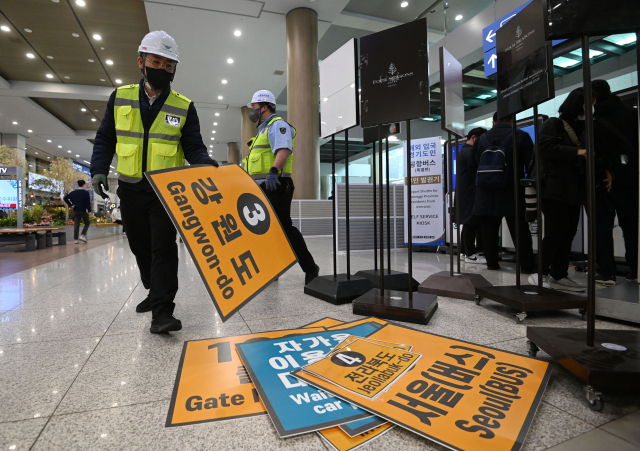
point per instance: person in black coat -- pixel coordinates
(616, 141)
(563, 165)
(491, 205)
(465, 193)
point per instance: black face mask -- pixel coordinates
(254, 115)
(158, 78)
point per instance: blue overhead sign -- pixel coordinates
(490, 62)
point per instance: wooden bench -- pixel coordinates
(32, 239)
(105, 224)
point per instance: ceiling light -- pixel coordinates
(68, 78)
(91, 61)
(93, 119)
(230, 60)
(15, 123)
(326, 99)
(109, 62)
(217, 114)
(237, 33)
(30, 55)
(97, 37)
(49, 76)
(212, 139)
(50, 57)
(459, 17)
(219, 97)
(80, 2)
(28, 30)
(75, 35)
(224, 82)
(215, 123)
(213, 131)
(29, 131)
(5, 28)
(211, 145)
(48, 158)
(68, 151)
(102, 79)
(59, 147)
(83, 109)
(118, 81)
(48, 140)
(404, 4)
(37, 152)
(77, 156)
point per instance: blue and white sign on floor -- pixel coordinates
(295, 407)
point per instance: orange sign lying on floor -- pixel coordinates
(342, 442)
(461, 395)
(232, 233)
(363, 367)
(351, 339)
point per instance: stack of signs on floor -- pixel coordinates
(212, 384)
(460, 395)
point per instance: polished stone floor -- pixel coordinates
(79, 369)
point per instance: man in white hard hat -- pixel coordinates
(149, 126)
(270, 163)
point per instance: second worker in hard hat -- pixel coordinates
(149, 126)
(270, 162)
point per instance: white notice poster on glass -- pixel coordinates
(427, 196)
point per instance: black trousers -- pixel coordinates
(77, 216)
(560, 225)
(469, 236)
(152, 239)
(281, 202)
(119, 221)
(490, 226)
(624, 204)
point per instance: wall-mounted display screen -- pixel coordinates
(394, 70)
(339, 90)
(8, 194)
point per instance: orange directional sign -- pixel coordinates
(342, 442)
(229, 227)
(459, 394)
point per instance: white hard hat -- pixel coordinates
(263, 96)
(160, 43)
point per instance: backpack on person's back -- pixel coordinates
(494, 167)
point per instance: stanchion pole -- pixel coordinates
(333, 197)
(516, 181)
(591, 193)
(459, 244)
(375, 212)
(538, 162)
(388, 211)
(409, 218)
(346, 197)
(450, 194)
(381, 213)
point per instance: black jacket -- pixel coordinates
(501, 201)
(610, 145)
(79, 199)
(563, 171)
(104, 147)
(465, 184)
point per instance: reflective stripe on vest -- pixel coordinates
(164, 149)
(261, 156)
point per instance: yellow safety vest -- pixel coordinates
(164, 149)
(261, 157)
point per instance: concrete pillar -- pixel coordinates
(233, 153)
(248, 131)
(303, 99)
(15, 141)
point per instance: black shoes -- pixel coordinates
(144, 306)
(309, 276)
(607, 281)
(165, 323)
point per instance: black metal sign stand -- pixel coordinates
(605, 359)
(393, 280)
(339, 288)
(393, 304)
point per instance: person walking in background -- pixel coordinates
(465, 193)
(562, 159)
(616, 142)
(492, 203)
(116, 217)
(80, 202)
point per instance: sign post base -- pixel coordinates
(338, 289)
(612, 364)
(461, 286)
(396, 305)
(527, 299)
(395, 280)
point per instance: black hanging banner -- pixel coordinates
(394, 70)
(525, 65)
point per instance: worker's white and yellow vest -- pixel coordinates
(164, 149)
(261, 157)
